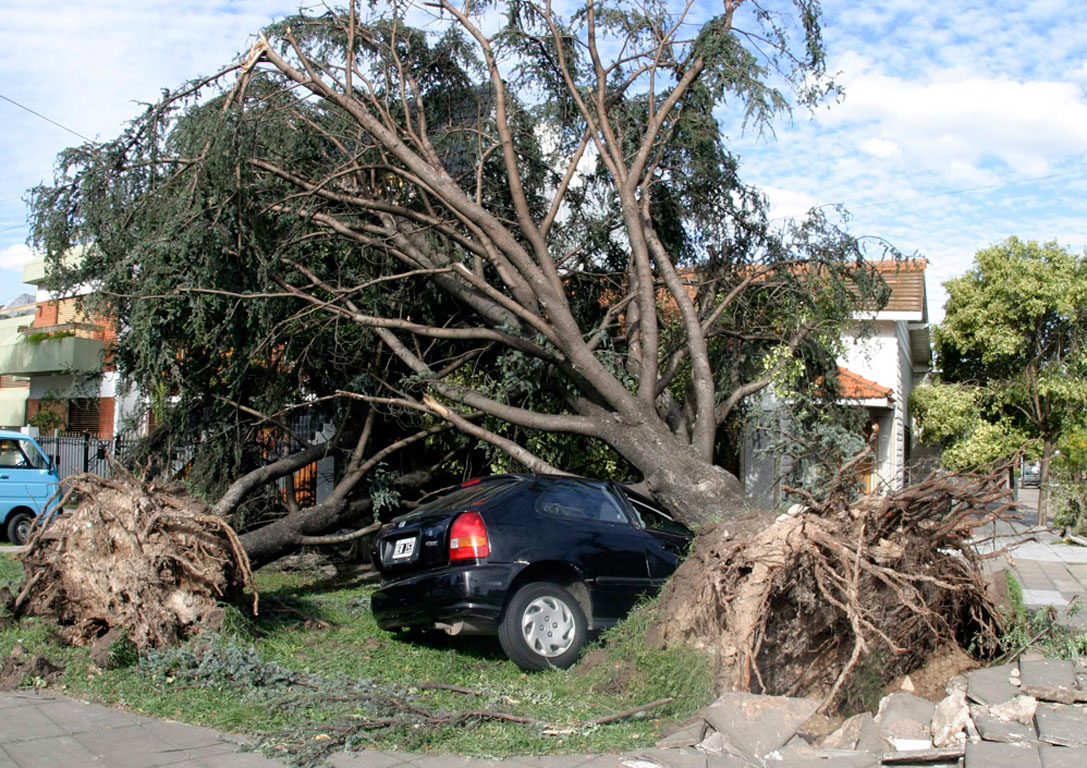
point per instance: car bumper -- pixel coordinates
(465, 599)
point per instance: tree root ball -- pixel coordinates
(838, 596)
(135, 558)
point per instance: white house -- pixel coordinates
(886, 355)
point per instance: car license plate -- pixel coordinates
(404, 548)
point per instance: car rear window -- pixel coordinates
(463, 496)
(580, 501)
(652, 517)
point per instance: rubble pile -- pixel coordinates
(1029, 714)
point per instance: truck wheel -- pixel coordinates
(543, 627)
(19, 525)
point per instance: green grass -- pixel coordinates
(1038, 631)
(296, 686)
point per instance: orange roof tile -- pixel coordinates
(856, 387)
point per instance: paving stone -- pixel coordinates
(756, 724)
(130, 747)
(25, 724)
(241, 760)
(50, 753)
(369, 759)
(1020, 709)
(1062, 757)
(79, 716)
(903, 716)
(988, 754)
(994, 729)
(668, 758)
(1049, 673)
(186, 736)
(1063, 726)
(6, 761)
(442, 761)
(990, 685)
(822, 758)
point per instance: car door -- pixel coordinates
(582, 522)
(666, 540)
(26, 477)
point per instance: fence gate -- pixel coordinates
(76, 454)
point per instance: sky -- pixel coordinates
(963, 122)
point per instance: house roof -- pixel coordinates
(906, 279)
(856, 387)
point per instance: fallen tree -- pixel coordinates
(798, 607)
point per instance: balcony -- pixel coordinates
(13, 407)
(64, 354)
(34, 272)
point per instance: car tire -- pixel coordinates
(19, 525)
(543, 627)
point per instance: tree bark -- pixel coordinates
(695, 490)
(1043, 481)
(282, 537)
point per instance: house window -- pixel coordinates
(83, 415)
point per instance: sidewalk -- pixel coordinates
(46, 729)
(1051, 572)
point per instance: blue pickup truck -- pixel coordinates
(28, 484)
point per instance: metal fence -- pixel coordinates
(79, 453)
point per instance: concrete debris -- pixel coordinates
(1001, 728)
(756, 725)
(949, 720)
(1020, 709)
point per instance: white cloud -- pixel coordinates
(881, 148)
(15, 256)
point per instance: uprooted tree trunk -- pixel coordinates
(133, 558)
(800, 606)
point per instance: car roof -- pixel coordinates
(11, 434)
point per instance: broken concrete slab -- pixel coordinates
(671, 758)
(989, 754)
(1021, 709)
(1061, 725)
(756, 724)
(994, 729)
(823, 758)
(1062, 757)
(990, 685)
(949, 719)
(860, 733)
(1048, 673)
(903, 717)
(685, 734)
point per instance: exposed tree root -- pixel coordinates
(133, 557)
(804, 605)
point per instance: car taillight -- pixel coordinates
(468, 538)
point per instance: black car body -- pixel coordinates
(473, 561)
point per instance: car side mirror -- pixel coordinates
(56, 461)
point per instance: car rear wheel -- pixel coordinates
(19, 527)
(543, 627)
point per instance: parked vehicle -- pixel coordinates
(28, 484)
(537, 560)
(1031, 476)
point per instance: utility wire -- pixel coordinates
(968, 190)
(46, 119)
(17, 226)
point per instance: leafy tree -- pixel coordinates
(534, 216)
(1012, 357)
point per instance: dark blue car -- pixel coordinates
(538, 560)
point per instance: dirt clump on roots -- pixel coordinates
(135, 559)
(841, 593)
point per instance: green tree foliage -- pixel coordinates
(524, 224)
(1012, 356)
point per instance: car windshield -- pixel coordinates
(21, 454)
(463, 496)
